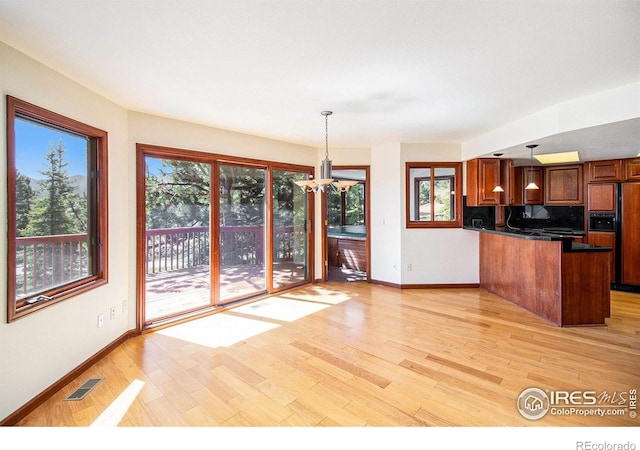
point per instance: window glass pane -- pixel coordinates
(290, 238)
(334, 208)
(177, 237)
(420, 197)
(443, 200)
(354, 205)
(52, 208)
(242, 231)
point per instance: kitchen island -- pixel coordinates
(565, 282)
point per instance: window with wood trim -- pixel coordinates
(433, 195)
(57, 208)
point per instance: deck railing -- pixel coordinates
(43, 262)
(46, 261)
(180, 248)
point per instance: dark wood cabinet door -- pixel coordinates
(563, 185)
(533, 196)
(507, 181)
(601, 197)
(609, 170)
(630, 243)
(603, 239)
(482, 176)
(632, 169)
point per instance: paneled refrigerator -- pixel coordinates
(614, 221)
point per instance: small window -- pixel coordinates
(433, 195)
(57, 208)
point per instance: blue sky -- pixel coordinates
(33, 142)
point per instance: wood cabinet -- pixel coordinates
(632, 169)
(604, 239)
(347, 252)
(568, 288)
(522, 177)
(483, 174)
(609, 170)
(564, 185)
(507, 181)
(630, 234)
(601, 197)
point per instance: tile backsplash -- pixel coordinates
(528, 216)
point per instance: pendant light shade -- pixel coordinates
(532, 185)
(326, 179)
(498, 187)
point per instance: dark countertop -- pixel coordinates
(564, 235)
(343, 235)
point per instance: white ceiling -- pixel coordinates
(391, 71)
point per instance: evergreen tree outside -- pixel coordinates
(55, 209)
(52, 214)
(25, 196)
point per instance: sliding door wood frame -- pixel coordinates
(215, 160)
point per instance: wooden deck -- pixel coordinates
(356, 355)
(185, 289)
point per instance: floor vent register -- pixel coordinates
(83, 390)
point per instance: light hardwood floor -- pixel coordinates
(357, 354)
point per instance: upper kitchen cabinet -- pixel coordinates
(564, 185)
(632, 169)
(483, 175)
(507, 181)
(522, 177)
(601, 197)
(609, 170)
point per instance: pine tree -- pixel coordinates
(24, 199)
(50, 214)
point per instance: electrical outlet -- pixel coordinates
(100, 320)
(408, 267)
(112, 313)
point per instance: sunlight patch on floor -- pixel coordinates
(114, 413)
(319, 295)
(282, 309)
(217, 330)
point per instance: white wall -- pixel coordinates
(148, 129)
(387, 209)
(40, 348)
(436, 255)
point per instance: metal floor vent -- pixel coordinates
(83, 390)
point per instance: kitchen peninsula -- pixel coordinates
(565, 282)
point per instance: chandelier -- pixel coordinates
(326, 179)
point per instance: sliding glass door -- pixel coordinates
(290, 236)
(242, 231)
(215, 230)
(177, 237)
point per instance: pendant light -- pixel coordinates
(532, 185)
(498, 187)
(325, 169)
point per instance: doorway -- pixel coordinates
(346, 227)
